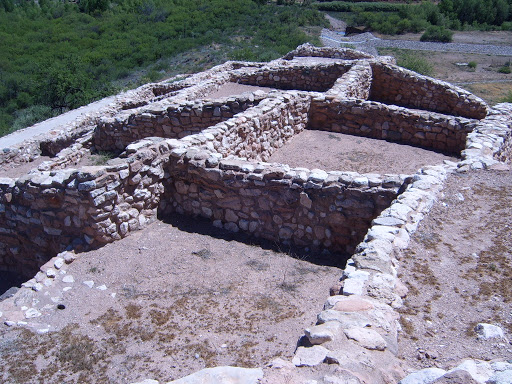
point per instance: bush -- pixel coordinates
(505, 69)
(438, 34)
(31, 115)
(415, 63)
(472, 65)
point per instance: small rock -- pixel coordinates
(367, 338)
(32, 313)
(102, 287)
(479, 370)
(147, 381)
(309, 357)
(488, 331)
(425, 376)
(323, 333)
(456, 377)
(51, 273)
(68, 279)
(89, 283)
(58, 263)
(69, 257)
(37, 287)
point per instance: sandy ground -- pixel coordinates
(458, 269)
(235, 89)
(339, 152)
(179, 297)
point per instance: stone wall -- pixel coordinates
(292, 206)
(395, 85)
(257, 132)
(318, 77)
(45, 213)
(380, 121)
(168, 120)
(308, 50)
(355, 84)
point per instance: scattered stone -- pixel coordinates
(32, 313)
(89, 283)
(147, 381)
(488, 331)
(68, 279)
(102, 287)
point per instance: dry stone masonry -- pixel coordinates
(182, 152)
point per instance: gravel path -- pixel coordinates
(368, 42)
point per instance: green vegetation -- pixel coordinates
(59, 55)
(435, 33)
(414, 61)
(508, 98)
(505, 68)
(472, 65)
(397, 18)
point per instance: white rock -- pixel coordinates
(51, 273)
(102, 287)
(346, 319)
(323, 333)
(68, 279)
(37, 287)
(478, 369)
(222, 375)
(488, 331)
(309, 357)
(31, 313)
(353, 287)
(65, 289)
(367, 338)
(58, 263)
(425, 376)
(89, 283)
(147, 381)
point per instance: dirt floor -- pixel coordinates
(458, 269)
(173, 302)
(339, 152)
(235, 89)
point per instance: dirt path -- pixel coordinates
(458, 269)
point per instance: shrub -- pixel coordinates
(439, 34)
(31, 115)
(416, 64)
(472, 65)
(505, 68)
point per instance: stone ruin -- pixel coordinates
(179, 150)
